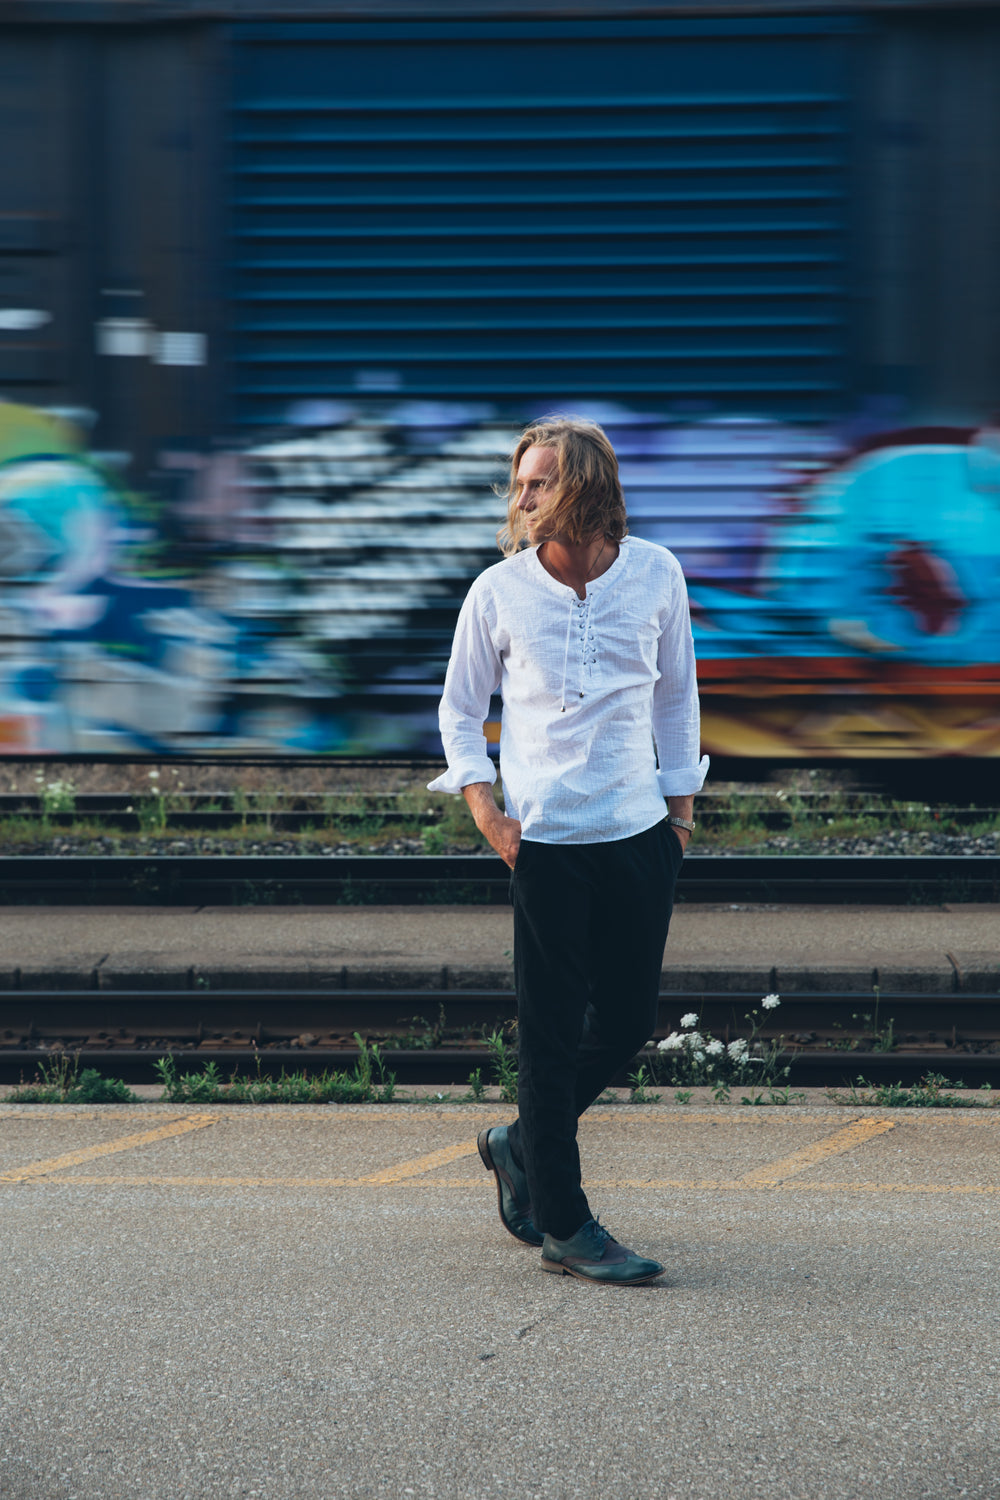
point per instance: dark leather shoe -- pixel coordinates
(512, 1185)
(593, 1255)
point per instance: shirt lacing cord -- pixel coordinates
(569, 631)
(587, 641)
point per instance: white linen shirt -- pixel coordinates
(595, 692)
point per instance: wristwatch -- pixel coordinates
(681, 823)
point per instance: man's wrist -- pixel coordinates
(486, 815)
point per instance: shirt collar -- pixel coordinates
(595, 586)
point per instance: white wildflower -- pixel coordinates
(672, 1043)
(689, 1020)
(694, 1039)
(737, 1050)
(699, 1057)
(714, 1047)
(770, 1002)
(154, 775)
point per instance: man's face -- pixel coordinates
(536, 473)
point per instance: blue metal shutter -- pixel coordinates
(518, 212)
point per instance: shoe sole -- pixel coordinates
(558, 1269)
(482, 1143)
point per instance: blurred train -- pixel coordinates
(279, 285)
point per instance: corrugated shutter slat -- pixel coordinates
(511, 213)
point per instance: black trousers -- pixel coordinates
(590, 922)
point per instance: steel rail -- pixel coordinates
(200, 880)
(436, 1036)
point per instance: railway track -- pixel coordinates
(437, 1037)
(205, 880)
(297, 812)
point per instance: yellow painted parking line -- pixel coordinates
(779, 1175)
(658, 1184)
(418, 1166)
(961, 1188)
(386, 1177)
(108, 1148)
(202, 1181)
(76, 1112)
(740, 1185)
(808, 1156)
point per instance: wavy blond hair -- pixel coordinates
(586, 497)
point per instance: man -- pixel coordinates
(585, 631)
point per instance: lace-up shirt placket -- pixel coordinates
(600, 700)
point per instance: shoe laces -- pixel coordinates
(600, 1235)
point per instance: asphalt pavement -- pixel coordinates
(309, 1303)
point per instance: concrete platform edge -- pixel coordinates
(435, 978)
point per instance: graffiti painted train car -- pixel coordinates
(278, 285)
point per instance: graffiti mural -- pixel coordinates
(297, 593)
(872, 625)
(95, 657)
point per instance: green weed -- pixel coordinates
(425, 1035)
(639, 1082)
(929, 1093)
(433, 840)
(883, 1038)
(477, 1088)
(151, 809)
(240, 805)
(188, 1088)
(55, 796)
(368, 1082)
(504, 1059)
(61, 1082)
(772, 1095)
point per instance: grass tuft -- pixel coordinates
(929, 1093)
(368, 1082)
(504, 1059)
(61, 1082)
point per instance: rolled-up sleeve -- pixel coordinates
(473, 677)
(676, 711)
